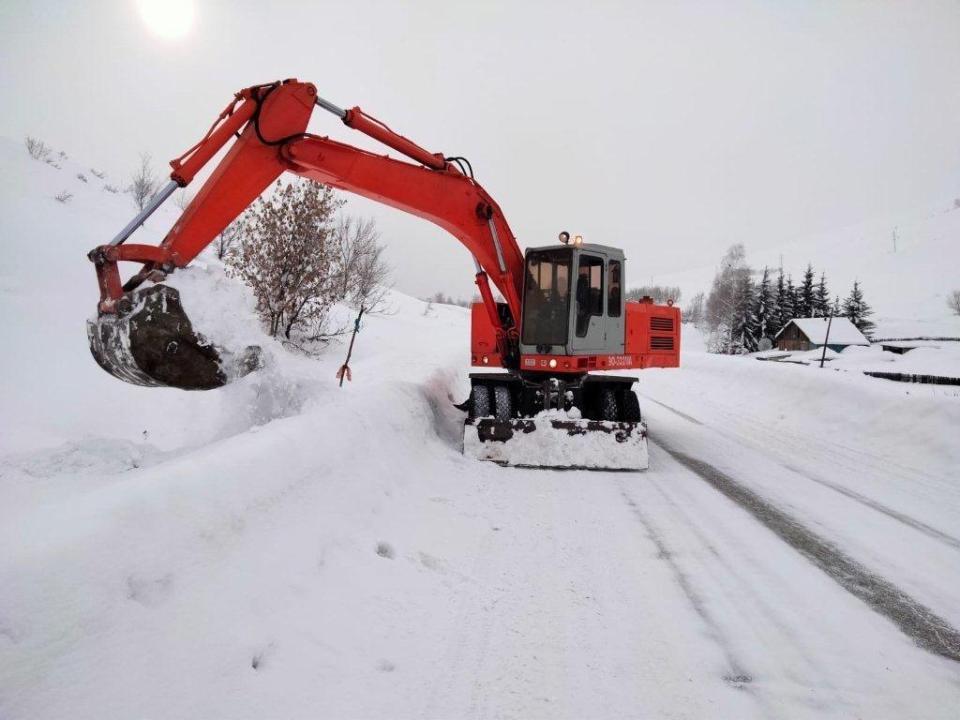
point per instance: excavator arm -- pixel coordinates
(267, 126)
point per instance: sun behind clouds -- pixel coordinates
(167, 19)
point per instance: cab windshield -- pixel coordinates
(546, 298)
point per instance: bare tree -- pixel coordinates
(659, 293)
(362, 272)
(285, 254)
(953, 301)
(227, 240)
(726, 299)
(693, 313)
(144, 183)
(183, 199)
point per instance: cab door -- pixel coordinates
(614, 319)
(588, 330)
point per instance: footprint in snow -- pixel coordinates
(385, 550)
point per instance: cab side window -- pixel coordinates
(614, 293)
(589, 292)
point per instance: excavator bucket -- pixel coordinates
(152, 343)
(555, 442)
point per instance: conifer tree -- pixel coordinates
(788, 306)
(821, 298)
(765, 308)
(857, 311)
(807, 294)
(744, 328)
(780, 304)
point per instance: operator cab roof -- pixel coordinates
(589, 247)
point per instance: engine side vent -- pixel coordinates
(661, 324)
(661, 343)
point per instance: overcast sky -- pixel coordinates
(671, 129)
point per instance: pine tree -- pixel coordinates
(856, 310)
(778, 319)
(765, 308)
(788, 307)
(744, 328)
(821, 298)
(807, 294)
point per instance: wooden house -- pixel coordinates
(802, 334)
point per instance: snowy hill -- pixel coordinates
(907, 288)
(286, 548)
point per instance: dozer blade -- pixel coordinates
(558, 443)
(154, 344)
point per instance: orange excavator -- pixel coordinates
(544, 397)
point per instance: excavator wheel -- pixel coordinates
(480, 401)
(151, 342)
(608, 405)
(503, 403)
(630, 411)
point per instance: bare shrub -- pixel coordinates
(38, 149)
(362, 273)
(111, 189)
(63, 197)
(440, 299)
(144, 183)
(953, 301)
(285, 255)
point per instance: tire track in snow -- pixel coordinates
(918, 525)
(907, 520)
(733, 569)
(918, 622)
(736, 674)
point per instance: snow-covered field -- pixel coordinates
(287, 548)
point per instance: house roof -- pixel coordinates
(842, 331)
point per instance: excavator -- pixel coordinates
(545, 394)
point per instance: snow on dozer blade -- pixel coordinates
(154, 344)
(558, 443)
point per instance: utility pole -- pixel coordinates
(894, 240)
(823, 355)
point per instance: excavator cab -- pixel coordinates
(573, 300)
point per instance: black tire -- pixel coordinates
(630, 410)
(480, 401)
(502, 403)
(608, 405)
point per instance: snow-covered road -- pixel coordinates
(338, 563)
